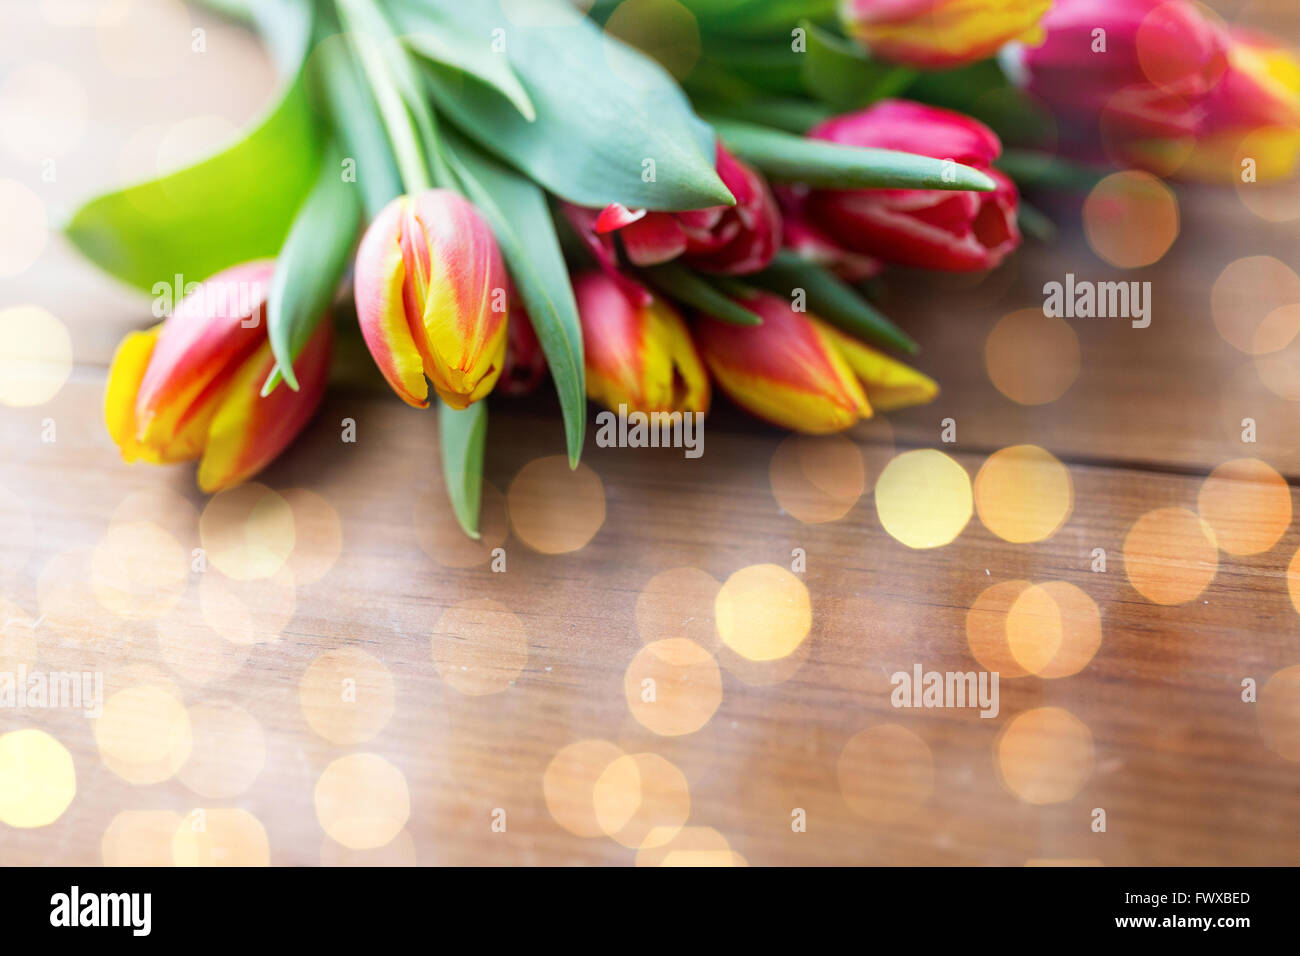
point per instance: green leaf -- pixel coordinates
(832, 300)
(1034, 222)
(447, 42)
(463, 438)
(521, 220)
(355, 115)
(309, 267)
(232, 207)
(695, 290)
(790, 158)
(793, 116)
(841, 73)
(605, 112)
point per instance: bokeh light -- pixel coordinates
(144, 733)
(140, 838)
(1032, 359)
(1023, 493)
(220, 836)
(24, 236)
(569, 784)
(641, 800)
(673, 686)
(1130, 219)
(923, 498)
(362, 801)
(138, 570)
(37, 778)
(228, 752)
(763, 612)
(885, 773)
(678, 602)
(1045, 755)
(247, 531)
(35, 353)
(1249, 301)
(553, 509)
(1053, 629)
(1278, 711)
(479, 646)
(347, 696)
(1247, 504)
(1170, 555)
(817, 478)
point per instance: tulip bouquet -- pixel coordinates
(511, 187)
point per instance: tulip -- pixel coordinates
(1252, 113)
(637, 355)
(940, 34)
(810, 243)
(958, 230)
(726, 240)
(796, 371)
(190, 387)
(1138, 71)
(431, 298)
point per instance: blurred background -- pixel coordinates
(317, 668)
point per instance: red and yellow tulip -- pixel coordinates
(431, 294)
(940, 34)
(637, 355)
(190, 387)
(796, 371)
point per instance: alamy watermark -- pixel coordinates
(1084, 299)
(683, 430)
(922, 688)
(52, 690)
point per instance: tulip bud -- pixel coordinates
(431, 298)
(637, 355)
(958, 230)
(798, 372)
(191, 387)
(1251, 115)
(813, 245)
(725, 240)
(940, 34)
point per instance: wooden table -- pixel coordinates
(1170, 751)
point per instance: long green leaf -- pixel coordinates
(355, 116)
(786, 157)
(1048, 171)
(611, 126)
(831, 299)
(309, 267)
(232, 207)
(463, 438)
(521, 220)
(446, 41)
(695, 290)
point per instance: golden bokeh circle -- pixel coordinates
(691, 846)
(569, 782)
(1170, 555)
(664, 30)
(1023, 493)
(479, 646)
(673, 686)
(400, 851)
(144, 733)
(248, 612)
(1278, 711)
(1053, 629)
(641, 800)
(1045, 755)
(923, 498)
(885, 772)
(17, 638)
(1252, 303)
(139, 838)
(1247, 504)
(362, 801)
(1130, 219)
(37, 779)
(220, 836)
(35, 354)
(986, 628)
(553, 509)
(763, 612)
(347, 696)
(247, 531)
(678, 602)
(228, 752)
(817, 478)
(138, 570)
(1030, 358)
